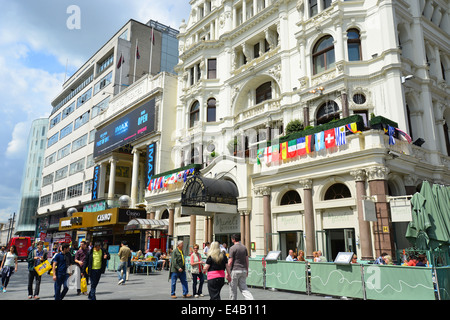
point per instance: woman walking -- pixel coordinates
(197, 272)
(215, 265)
(9, 266)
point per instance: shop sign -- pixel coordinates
(226, 223)
(104, 217)
(125, 215)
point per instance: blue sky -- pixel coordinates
(36, 43)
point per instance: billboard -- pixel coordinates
(130, 127)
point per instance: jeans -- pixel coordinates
(95, 278)
(61, 280)
(122, 267)
(214, 287)
(239, 279)
(194, 283)
(184, 284)
(31, 276)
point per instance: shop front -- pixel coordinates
(152, 233)
(107, 226)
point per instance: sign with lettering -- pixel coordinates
(130, 127)
(95, 182)
(150, 163)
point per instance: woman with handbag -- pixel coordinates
(9, 266)
(35, 258)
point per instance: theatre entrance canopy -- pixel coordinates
(206, 196)
(147, 224)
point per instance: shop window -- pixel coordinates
(194, 114)
(327, 112)
(323, 55)
(290, 197)
(337, 191)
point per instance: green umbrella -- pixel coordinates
(438, 232)
(443, 202)
(416, 231)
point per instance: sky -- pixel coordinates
(41, 44)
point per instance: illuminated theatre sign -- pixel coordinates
(130, 127)
(205, 196)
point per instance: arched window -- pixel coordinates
(323, 55)
(194, 114)
(211, 110)
(354, 45)
(290, 197)
(165, 215)
(264, 92)
(327, 112)
(337, 191)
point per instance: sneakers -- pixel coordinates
(173, 296)
(120, 282)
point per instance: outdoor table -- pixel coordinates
(142, 263)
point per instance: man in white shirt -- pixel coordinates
(290, 257)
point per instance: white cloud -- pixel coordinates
(17, 146)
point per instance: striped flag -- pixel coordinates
(301, 146)
(340, 136)
(292, 148)
(391, 131)
(121, 60)
(275, 152)
(353, 127)
(405, 135)
(138, 56)
(309, 143)
(259, 155)
(320, 140)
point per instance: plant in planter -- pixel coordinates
(294, 126)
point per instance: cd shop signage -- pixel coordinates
(130, 127)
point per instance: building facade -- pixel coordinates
(136, 51)
(249, 68)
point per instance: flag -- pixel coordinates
(330, 138)
(301, 146)
(152, 39)
(405, 135)
(353, 127)
(259, 155)
(309, 143)
(340, 136)
(121, 60)
(268, 154)
(292, 148)
(284, 150)
(320, 140)
(275, 152)
(138, 56)
(391, 131)
(150, 185)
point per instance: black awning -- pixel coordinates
(212, 195)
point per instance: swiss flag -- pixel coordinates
(330, 138)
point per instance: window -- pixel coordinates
(55, 120)
(354, 45)
(323, 55)
(337, 191)
(77, 166)
(52, 140)
(313, 8)
(99, 107)
(61, 173)
(327, 112)
(326, 4)
(59, 196)
(103, 83)
(256, 50)
(48, 179)
(211, 110)
(64, 152)
(88, 186)
(79, 143)
(105, 63)
(68, 110)
(45, 200)
(359, 98)
(50, 159)
(75, 191)
(194, 114)
(84, 118)
(90, 161)
(290, 197)
(264, 92)
(65, 131)
(212, 68)
(92, 136)
(84, 97)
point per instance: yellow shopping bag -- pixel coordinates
(43, 267)
(83, 285)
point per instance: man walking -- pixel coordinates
(60, 275)
(81, 257)
(178, 271)
(238, 262)
(124, 255)
(35, 257)
(96, 266)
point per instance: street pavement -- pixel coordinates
(140, 286)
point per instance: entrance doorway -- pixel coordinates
(291, 240)
(338, 240)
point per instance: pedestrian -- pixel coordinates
(35, 257)
(2, 253)
(197, 272)
(124, 256)
(60, 275)
(8, 266)
(216, 264)
(206, 248)
(238, 262)
(81, 257)
(178, 271)
(96, 267)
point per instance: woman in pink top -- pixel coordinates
(216, 264)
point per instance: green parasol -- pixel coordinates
(416, 231)
(443, 202)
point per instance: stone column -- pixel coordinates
(382, 229)
(365, 238)
(171, 219)
(242, 226)
(309, 217)
(192, 230)
(134, 178)
(112, 179)
(344, 100)
(245, 229)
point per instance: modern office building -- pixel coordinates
(136, 51)
(32, 178)
(249, 68)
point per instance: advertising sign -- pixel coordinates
(128, 128)
(150, 163)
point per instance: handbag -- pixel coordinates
(83, 286)
(43, 267)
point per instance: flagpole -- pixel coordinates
(151, 52)
(135, 60)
